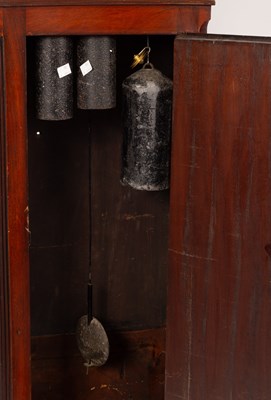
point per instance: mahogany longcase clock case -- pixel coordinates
(182, 277)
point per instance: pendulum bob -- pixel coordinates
(147, 108)
(96, 73)
(54, 89)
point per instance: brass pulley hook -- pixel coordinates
(142, 55)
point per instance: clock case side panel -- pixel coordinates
(4, 313)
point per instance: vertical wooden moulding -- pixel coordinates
(1, 22)
(177, 369)
(17, 208)
(4, 323)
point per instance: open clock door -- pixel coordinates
(219, 296)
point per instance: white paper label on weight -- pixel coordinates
(86, 68)
(64, 70)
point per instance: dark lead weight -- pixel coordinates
(147, 104)
(96, 73)
(54, 57)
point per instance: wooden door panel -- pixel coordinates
(219, 304)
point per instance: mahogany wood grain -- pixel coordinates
(1, 22)
(14, 3)
(219, 305)
(16, 164)
(4, 314)
(115, 20)
(135, 368)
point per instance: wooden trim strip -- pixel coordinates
(39, 3)
(4, 307)
(16, 144)
(1, 22)
(114, 20)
